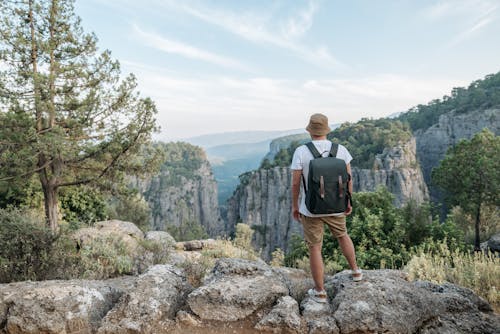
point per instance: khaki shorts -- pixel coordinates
(313, 227)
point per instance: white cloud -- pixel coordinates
(193, 106)
(266, 28)
(471, 16)
(175, 47)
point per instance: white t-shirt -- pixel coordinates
(300, 161)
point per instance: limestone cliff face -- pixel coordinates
(263, 199)
(433, 142)
(398, 170)
(175, 199)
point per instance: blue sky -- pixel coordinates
(221, 66)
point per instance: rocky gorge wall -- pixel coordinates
(263, 199)
(175, 199)
(432, 143)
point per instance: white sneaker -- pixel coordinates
(318, 296)
(357, 275)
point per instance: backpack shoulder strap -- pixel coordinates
(334, 149)
(313, 150)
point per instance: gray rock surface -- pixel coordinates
(161, 237)
(283, 318)
(244, 297)
(55, 306)
(151, 306)
(195, 199)
(383, 302)
(494, 243)
(433, 142)
(398, 170)
(235, 290)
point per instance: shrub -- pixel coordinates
(132, 208)
(187, 230)
(82, 206)
(104, 258)
(277, 258)
(26, 246)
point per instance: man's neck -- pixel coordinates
(318, 137)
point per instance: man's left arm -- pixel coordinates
(349, 204)
(296, 178)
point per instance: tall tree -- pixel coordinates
(64, 111)
(470, 175)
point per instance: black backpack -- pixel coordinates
(327, 189)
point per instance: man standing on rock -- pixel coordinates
(313, 223)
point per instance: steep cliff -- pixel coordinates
(184, 192)
(433, 142)
(398, 170)
(263, 198)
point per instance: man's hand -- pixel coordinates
(348, 211)
(296, 214)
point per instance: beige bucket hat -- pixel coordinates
(318, 125)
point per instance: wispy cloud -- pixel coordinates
(175, 47)
(266, 28)
(471, 15)
(220, 104)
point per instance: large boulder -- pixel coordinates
(465, 312)
(284, 317)
(151, 306)
(74, 306)
(386, 302)
(235, 290)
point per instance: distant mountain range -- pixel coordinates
(239, 137)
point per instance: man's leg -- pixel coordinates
(347, 248)
(317, 269)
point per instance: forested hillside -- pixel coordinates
(480, 95)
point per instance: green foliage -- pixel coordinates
(131, 207)
(481, 94)
(104, 258)
(283, 158)
(367, 138)
(28, 249)
(21, 193)
(488, 226)
(181, 160)
(470, 175)
(82, 206)
(187, 230)
(66, 114)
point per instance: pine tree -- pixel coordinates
(65, 114)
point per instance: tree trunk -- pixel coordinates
(477, 246)
(51, 206)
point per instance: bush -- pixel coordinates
(131, 208)
(31, 251)
(187, 230)
(104, 258)
(82, 206)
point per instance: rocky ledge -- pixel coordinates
(241, 296)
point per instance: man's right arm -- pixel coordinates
(296, 178)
